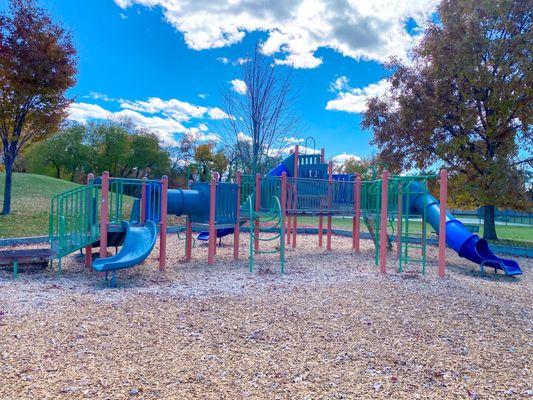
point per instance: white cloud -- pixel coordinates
(223, 60)
(82, 112)
(197, 134)
(179, 110)
(243, 137)
(371, 30)
(238, 86)
(217, 113)
(341, 83)
(243, 60)
(164, 117)
(343, 157)
(354, 100)
(203, 95)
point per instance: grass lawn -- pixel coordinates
(30, 204)
(508, 235)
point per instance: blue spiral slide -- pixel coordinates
(467, 244)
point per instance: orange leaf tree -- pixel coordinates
(37, 66)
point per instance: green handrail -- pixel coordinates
(74, 220)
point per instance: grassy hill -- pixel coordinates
(30, 204)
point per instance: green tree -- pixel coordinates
(112, 145)
(67, 152)
(209, 160)
(465, 102)
(37, 66)
(146, 157)
(363, 167)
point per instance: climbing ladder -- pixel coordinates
(412, 251)
(275, 232)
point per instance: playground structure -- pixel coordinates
(95, 215)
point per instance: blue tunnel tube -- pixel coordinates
(186, 202)
(192, 202)
(467, 244)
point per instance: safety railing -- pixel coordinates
(247, 187)
(319, 196)
(226, 198)
(74, 219)
(123, 192)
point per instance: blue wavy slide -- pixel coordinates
(467, 244)
(138, 244)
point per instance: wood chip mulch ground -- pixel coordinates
(331, 328)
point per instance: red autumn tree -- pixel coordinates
(37, 66)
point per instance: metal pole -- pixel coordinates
(321, 218)
(212, 243)
(330, 180)
(89, 210)
(188, 234)
(442, 222)
(357, 215)
(383, 222)
(236, 232)
(143, 202)
(399, 222)
(257, 208)
(295, 200)
(163, 224)
(104, 214)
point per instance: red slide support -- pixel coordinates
(442, 223)
(383, 223)
(104, 214)
(89, 248)
(163, 224)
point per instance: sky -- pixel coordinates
(164, 64)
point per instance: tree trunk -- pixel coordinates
(489, 224)
(8, 163)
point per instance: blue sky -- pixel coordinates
(183, 53)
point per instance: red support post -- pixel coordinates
(257, 207)
(330, 180)
(89, 208)
(320, 229)
(442, 223)
(143, 202)
(356, 233)
(104, 214)
(321, 218)
(289, 227)
(163, 224)
(295, 199)
(236, 232)
(188, 235)
(283, 197)
(212, 243)
(383, 222)
(399, 221)
(216, 176)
